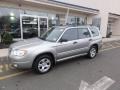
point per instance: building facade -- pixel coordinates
(30, 18)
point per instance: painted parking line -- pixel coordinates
(102, 84)
(109, 48)
(23, 72)
(12, 75)
(117, 43)
(5, 67)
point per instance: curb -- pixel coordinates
(110, 40)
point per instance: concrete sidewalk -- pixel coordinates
(111, 39)
(4, 52)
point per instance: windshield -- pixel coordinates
(52, 34)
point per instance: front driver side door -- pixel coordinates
(68, 44)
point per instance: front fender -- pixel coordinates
(43, 51)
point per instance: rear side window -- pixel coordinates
(83, 33)
(70, 35)
(95, 31)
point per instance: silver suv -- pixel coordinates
(57, 44)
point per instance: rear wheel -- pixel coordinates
(92, 52)
(43, 64)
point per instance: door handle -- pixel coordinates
(90, 39)
(74, 42)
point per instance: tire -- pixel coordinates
(92, 52)
(43, 64)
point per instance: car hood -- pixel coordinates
(29, 43)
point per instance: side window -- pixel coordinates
(70, 35)
(83, 33)
(95, 31)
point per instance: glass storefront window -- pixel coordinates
(56, 19)
(43, 21)
(52, 20)
(29, 26)
(75, 20)
(96, 22)
(10, 21)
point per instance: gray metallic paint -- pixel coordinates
(60, 50)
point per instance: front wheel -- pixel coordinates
(92, 52)
(43, 64)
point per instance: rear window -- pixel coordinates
(95, 31)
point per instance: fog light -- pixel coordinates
(15, 65)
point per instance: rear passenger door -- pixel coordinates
(84, 40)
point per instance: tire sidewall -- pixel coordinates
(89, 53)
(35, 65)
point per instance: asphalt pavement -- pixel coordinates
(68, 75)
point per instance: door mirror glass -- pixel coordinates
(86, 33)
(63, 40)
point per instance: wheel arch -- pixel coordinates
(45, 53)
(96, 45)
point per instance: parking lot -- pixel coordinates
(66, 75)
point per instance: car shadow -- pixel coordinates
(81, 60)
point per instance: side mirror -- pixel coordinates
(86, 33)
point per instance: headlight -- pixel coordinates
(19, 52)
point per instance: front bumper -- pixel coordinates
(21, 63)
